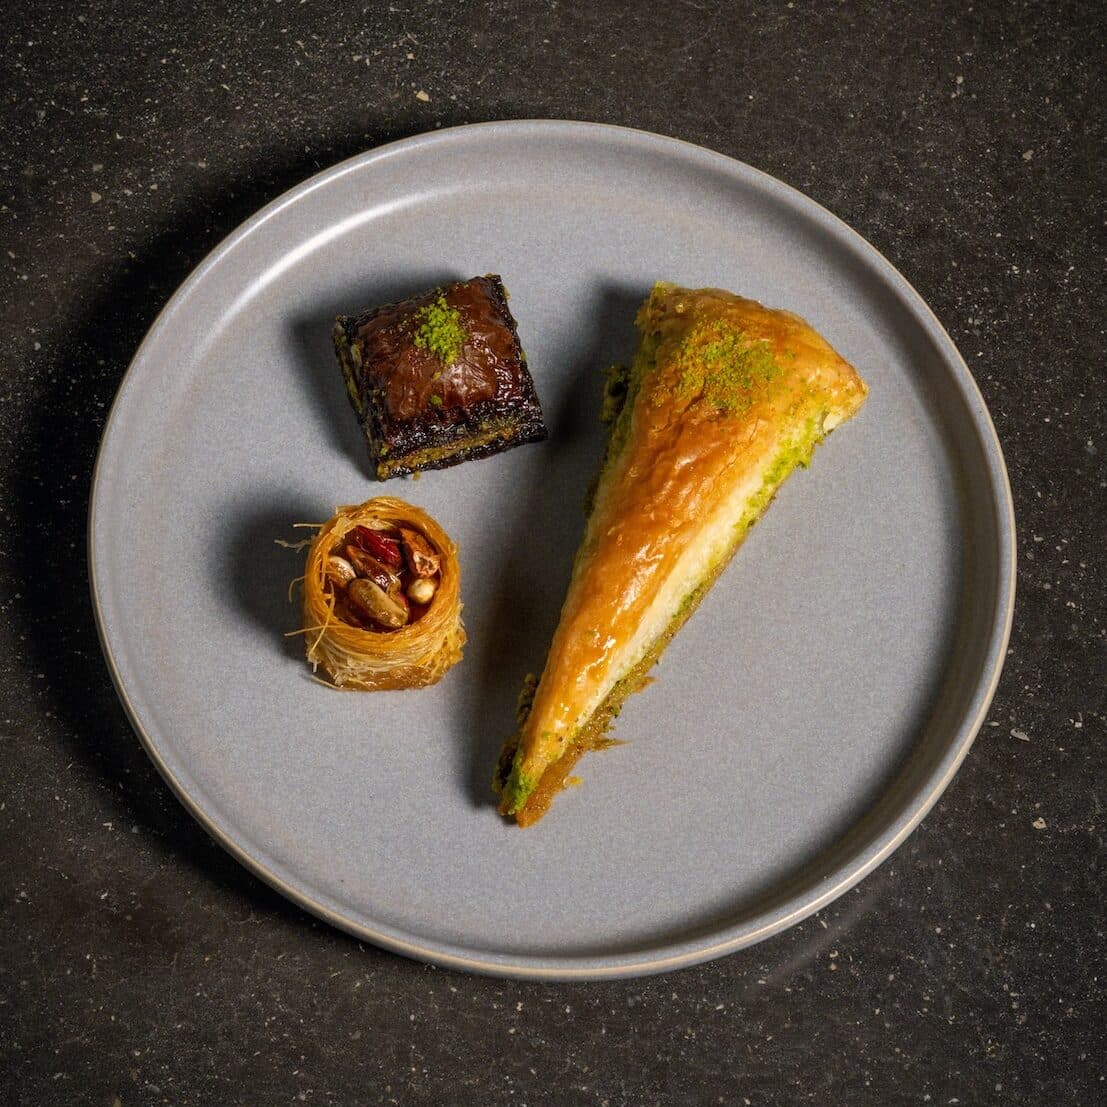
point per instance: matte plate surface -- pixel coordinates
(800, 725)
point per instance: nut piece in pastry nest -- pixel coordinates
(382, 599)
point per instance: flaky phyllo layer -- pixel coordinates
(723, 400)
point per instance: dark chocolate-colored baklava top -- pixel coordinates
(439, 378)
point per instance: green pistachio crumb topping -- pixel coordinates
(440, 330)
(723, 367)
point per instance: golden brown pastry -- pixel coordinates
(382, 600)
(724, 399)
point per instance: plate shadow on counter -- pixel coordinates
(83, 358)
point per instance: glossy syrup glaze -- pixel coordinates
(720, 387)
(412, 378)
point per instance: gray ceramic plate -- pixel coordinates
(801, 724)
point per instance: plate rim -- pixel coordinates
(796, 907)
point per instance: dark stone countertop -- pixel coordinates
(140, 964)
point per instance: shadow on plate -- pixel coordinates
(254, 574)
(547, 522)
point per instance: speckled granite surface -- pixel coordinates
(139, 964)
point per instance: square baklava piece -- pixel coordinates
(439, 378)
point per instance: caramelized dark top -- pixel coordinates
(411, 379)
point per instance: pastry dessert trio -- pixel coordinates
(723, 400)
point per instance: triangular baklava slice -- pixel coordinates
(724, 399)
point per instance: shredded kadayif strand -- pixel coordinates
(368, 660)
